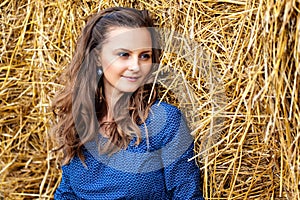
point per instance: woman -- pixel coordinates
(118, 141)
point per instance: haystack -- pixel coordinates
(239, 59)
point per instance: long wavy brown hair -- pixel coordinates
(81, 105)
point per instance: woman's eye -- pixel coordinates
(145, 56)
(123, 54)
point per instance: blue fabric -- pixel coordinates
(157, 168)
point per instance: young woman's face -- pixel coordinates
(126, 59)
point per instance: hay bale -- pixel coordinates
(245, 100)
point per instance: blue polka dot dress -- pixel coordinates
(157, 168)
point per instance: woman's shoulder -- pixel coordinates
(162, 115)
(161, 108)
(163, 120)
(167, 127)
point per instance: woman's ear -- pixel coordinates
(96, 56)
(98, 61)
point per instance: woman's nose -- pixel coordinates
(134, 65)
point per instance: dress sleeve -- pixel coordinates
(182, 177)
(64, 190)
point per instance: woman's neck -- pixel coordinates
(111, 99)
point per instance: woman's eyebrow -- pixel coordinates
(147, 51)
(122, 49)
(127, 50)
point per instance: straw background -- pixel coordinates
(245, 102)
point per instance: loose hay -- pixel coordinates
(245, 101)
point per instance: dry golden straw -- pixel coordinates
(239, 59)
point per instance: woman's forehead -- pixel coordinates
(129, 38)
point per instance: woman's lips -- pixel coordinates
(131, 78)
